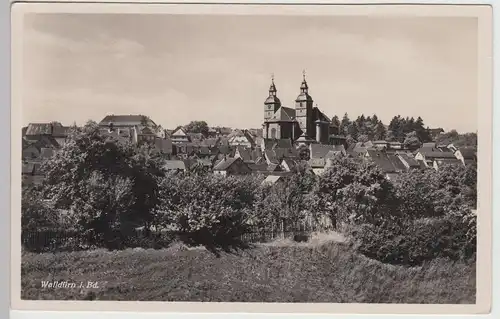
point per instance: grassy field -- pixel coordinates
(318, 271)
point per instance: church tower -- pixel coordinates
(304, 109)
(272, 103)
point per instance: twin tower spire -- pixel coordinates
(303, 87)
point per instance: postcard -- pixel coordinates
(251, 158)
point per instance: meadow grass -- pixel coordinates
(317, 271)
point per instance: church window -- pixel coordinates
(273, 133)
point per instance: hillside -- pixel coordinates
(327, 272)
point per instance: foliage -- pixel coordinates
(419, 240)
(412, 141)
(103, 182)
(353, 192)
(206, 209)
(36, 214)
(457, 139)
(416, 191)
(197, 127)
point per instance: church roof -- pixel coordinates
(319, 115)
(272, 100)
(284, 114)
(303, 97)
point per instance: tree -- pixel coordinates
(363, 138)
(207, 209)
(86, 174)
(416, 191)
(344, 124)
(423, 134)
(336, 121)
(353, 192)
(304, 152)
(411, 141)
(197, 127)
(396, 127)
(380, 131)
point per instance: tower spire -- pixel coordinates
(304, 74)
(272, 88)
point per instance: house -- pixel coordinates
(242, 138)
(54, 130)
(388, 165)
(259, 168)
(232, 166)
(395, 145)
(179, 136)
(321, 150)
(121, 134)
(174, 165)
(467, 155)
(163, 145)
(435, 132)
(380, 145)
(408, 161)
(429, 154)
(244, 154)
(130, 120)
(359, 149)
(31, 152)
(31, 173)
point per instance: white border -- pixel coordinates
(31, 314)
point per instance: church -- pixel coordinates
(303, 124)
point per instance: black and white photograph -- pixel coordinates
(250, 158)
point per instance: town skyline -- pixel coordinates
(83, 67)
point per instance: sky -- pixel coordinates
(178, 68)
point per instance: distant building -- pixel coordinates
(466, 155)
(231, 166)
(304, 123)
(179, 136)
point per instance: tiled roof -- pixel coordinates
(448, 161)
(318, 115)
(396, 162)
(126, 120)
(382, 161)
(284, 114)
(290, 163)
(260, 167)
(174, 165)
(244, 154)
(225, 163)
(412, 162)
(273, 167)
(320, 150)
(28, 168)
(437, 154)
(317, 162)
(271, 179)
(42, 128)
(468, 152)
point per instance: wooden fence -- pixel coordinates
(50, 240)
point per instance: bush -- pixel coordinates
(209, 210)
(417, 241)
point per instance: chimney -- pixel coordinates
(318, 131)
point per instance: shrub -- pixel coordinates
(417, 241)
(355, 192)
(206, 209)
